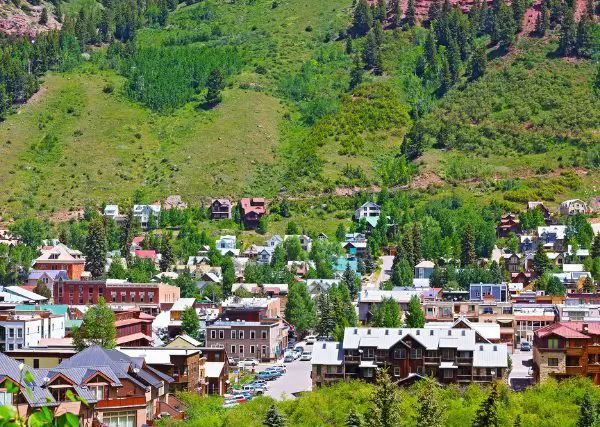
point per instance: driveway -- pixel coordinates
(520, 377)
(386, 269)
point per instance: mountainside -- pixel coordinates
(24, 19)
(302, 112)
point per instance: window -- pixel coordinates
(396, 371)
(242, 349)
(213, 334)
(448, 373)
(11, 333)
(142, 295)
(233, 334)
(318, 369)
(252, 335)
(221, 335)
(399, 353)
(263, 335)
(233, 348)
(368, 372)
(552, 361)
(36, 363)
(252, 349)
(11, 347)
(119, 419)
(20, 332)
(97, 390)
(264, 350)
(416, 353)
(552, 342)
(241, 335)
(6, 398)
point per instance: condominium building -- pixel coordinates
(24, 329)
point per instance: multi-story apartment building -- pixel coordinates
(567, 349)
(265, 340)
(148, 297)
(24, 329)
(119, 390)
(531, 317)
(454, 355)
(134, 328)
(253, 309)
(61, 257)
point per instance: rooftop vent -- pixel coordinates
(369, 331)
(387, 331)
(399, 331)
(464, 333)
(495, 348)
(480, 348)
(449, 332)
(431, 332)
(418, 332)
(355, 331)
(324, 345)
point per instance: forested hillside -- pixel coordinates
(223, 98)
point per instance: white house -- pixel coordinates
(111, 211)
(274, 241)
(227, 245)
(368, 209)
(24, 329)
(146, 213)
(573, 206)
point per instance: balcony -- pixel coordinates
(467, 378)
(574, 351)
(484, 378)
(121, 402)
(464, 360)
(574, 370)
(352, 359)
(432, 360)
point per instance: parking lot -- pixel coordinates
(295, 380)
(520, 376)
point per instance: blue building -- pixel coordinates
(497, 291)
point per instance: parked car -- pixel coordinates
(280, 365)
(254, 389)
(267, 376)
(289, 357)
(306, 355)
(291, 343)
(231, 361)
(310, 339)
(274, 371)
(525, 346)
(259, 384)
(299, 349)
(247, 393)
(297, 354)
(249, 361)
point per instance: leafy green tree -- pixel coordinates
(568, 34)
(385, 401)
(190, 324)
(595, 252)
(187, 285)
(340, 233)
(555, 287)
(467, 253)
(116, 270)
(293, 248)
(414, 316)
(351, 281)
(274, 418)
(587, 411)
(291, 228)
(300, 309)
(588, 285)
(278, 258)
(387, 314)
(487, 414)
(541, 262)
(228, 273)
(95, 248)
(402, 274)
(97, 327)
(362, 20)
(478, 63)
(353, 419)
(214, 85)
(212, 292)
(43, 290)
(30, 230)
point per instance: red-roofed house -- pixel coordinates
(146, 254)
(252, 209)
(567, 349)
(134, 328)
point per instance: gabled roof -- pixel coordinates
(327, 353)
(570, 330)
(60, 254)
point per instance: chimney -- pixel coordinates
(585, 327)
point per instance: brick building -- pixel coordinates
(61, 257)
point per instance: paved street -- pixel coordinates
(520, 376)
(295, 380)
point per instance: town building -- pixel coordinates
(227, 245)
(148, 297)
(147, 215)
(369, 299)
(552, 237)
(252, 309)
(264, 340)
(448, 355)
(134, 328)
(61, 257)
(252, 210)
(368, 209)
(220, 209)
(424, 269)
(573, 206)
(508, 224)
(19, 295)
(318, 286)
(24, 329)
(567, 349)
(305, 241)
(46, 277)
(480, 292)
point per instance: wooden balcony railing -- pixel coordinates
(464, 360)
(121, 402)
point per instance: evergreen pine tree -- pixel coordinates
(413, 144)
(430, 50)
(416, 241)
(353, 419)
(595, 252)
(363, 20)
(408, 248)
(478, 63)
(380, 11)
(95, 248)
(397, 17)
(467, 253)
(446, 77)
(518, 11)
(587, 411)
(541, 262)
(568, 34)
(378, 32)
(431, 411)
(127, 235)
(274, 418)
(44, 17)
(584, 40)
(215, 83)
(349, 279)
(411, 14)
(384, 401)
(487, 414)
(371, 54)
(167, 258)
(434, 11)
(349, 48)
